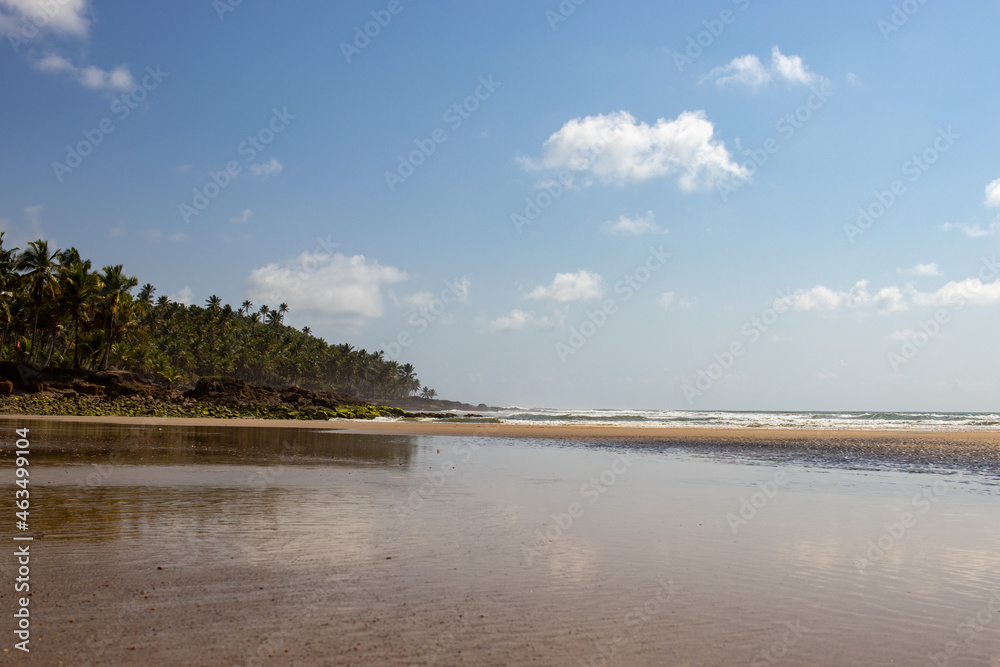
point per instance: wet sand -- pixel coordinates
(208, 542)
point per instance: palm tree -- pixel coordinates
(245, 307)
(78, 288)
(213, 303)
(39, 267)
(427, 392)
(145, 294)
(116, 288)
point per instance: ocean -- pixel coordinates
(751, 419)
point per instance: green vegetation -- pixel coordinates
(125, 407)
(55, 310)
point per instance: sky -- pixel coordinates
(700, 205)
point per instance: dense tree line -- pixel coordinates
(56, 309)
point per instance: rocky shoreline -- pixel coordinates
(26, 389)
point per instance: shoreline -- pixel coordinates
(961, 441)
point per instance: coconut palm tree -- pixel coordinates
(39, 269)
(115, 294)
(78, 287)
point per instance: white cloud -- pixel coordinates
(565, 287)
(516, 320)
(888, 299)
(90, 76)
(669, 300)
(901, 334)
(643, 224)
(419, 300)
(894, 299)
(185, 296)
(749, 71)
(970, 290)
(23, 17)
(993, 193)
(267, 168)
(242, 217)
(329, 284)
(791, 68)
(922, 270)
(746, 71)
(26, 23)
(616, 148)
(817, 298)
(974, 230)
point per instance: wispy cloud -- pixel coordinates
(887, 300)
(993, 194)
(616, 148)
(892, 299)
(516, 320)
(47, 23)
(922, 270)
(185, 296)
(62, 17)
(750, 72)
(669, 301)
(566, 287)
(335, 284)
(242, 217)
(635, 226)
(973, 230)
(265, 169)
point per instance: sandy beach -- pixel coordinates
(215, 542)
(928, 446)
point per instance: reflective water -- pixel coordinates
(216, 545)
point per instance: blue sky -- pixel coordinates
(490, 191)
